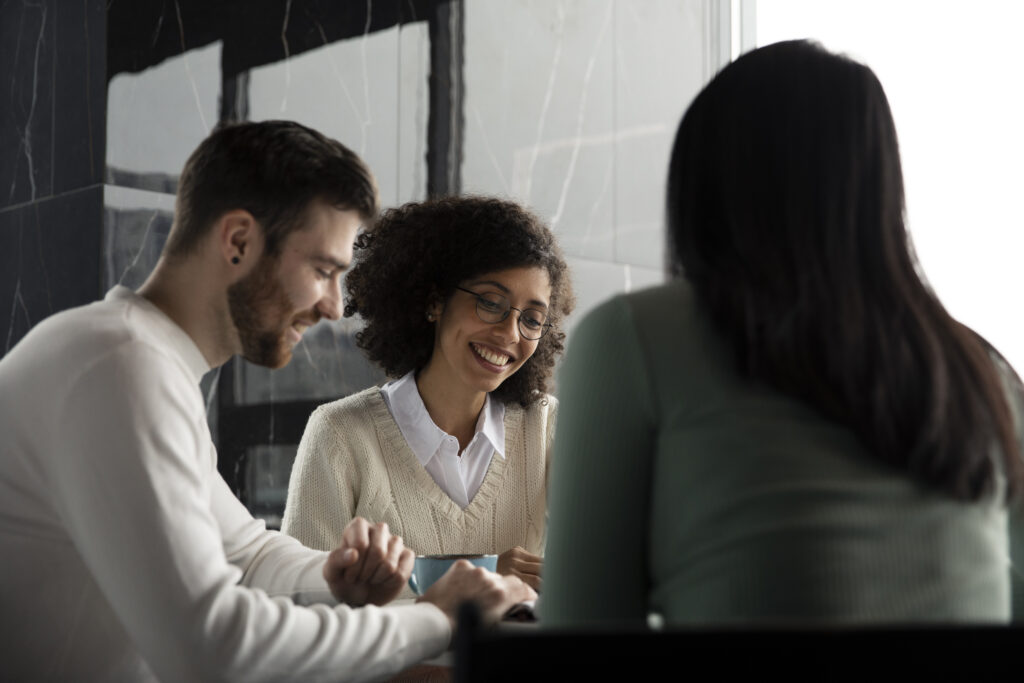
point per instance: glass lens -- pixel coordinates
(492, 307)
(532, 324)
(532, 319)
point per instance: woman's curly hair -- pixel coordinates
(416, 256)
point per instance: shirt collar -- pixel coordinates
(168, 330)
(423, 436)
(492, 424)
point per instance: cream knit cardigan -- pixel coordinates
(353, 461)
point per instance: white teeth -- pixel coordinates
(490, 356)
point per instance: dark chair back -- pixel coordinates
(901, 653)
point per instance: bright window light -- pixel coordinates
(953, 72)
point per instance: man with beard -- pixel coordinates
(125, 555)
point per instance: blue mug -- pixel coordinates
(430, 568)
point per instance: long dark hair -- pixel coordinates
(786, 215)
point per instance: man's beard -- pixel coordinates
(257, 298)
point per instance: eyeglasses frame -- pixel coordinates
(519, 320)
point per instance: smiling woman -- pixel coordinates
(462, 299)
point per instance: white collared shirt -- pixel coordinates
(458, 476)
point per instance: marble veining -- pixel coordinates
(309, 356)
(15, 302)
(419, 182)
(287, 56)
(490, 152)
(26, 131)
(188, 68)
(88, 110)
(580, 115)
(367, 119)
(332, 60)
(592, 215)
(141, 248)
(548, 92)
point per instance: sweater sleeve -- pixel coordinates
(596, 565)
(139, 501)
(320, 503)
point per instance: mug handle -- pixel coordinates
(413, 584)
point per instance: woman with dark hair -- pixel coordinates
(462, 298)
(795, 429)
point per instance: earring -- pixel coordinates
(235, 260)
(430, 317)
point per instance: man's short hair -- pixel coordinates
(272, 169)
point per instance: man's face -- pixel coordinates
(286, 294)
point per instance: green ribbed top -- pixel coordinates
(682, 489)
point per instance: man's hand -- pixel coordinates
(370, 566)
(494, 594)
(525, 565)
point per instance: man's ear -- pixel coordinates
(239, 238)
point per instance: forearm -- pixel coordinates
(271, 561)
(141, 506)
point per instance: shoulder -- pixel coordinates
(108, 344)
(351, 423)
(539, 409)
(79, 337)
(361, 405)
(536, 419)
(658, 327)
(641, 309)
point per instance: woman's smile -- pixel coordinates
(491, 357)
(476, 355)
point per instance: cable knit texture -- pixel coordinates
(353, 461)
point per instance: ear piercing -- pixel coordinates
(235, 260)
(430, 317)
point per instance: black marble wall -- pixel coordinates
(52, 137)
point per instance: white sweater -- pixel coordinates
(124, 555)
(353, 461)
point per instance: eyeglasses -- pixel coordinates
(494, 308)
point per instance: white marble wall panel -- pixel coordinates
(348, 90)
(413, 110)
(594, 282)
(639, 277)
(539, 112)
(658, 70)
(572, 108)
(155, 118)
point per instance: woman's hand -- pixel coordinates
(525, 565)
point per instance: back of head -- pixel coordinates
(786, 214)
(272, 169)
